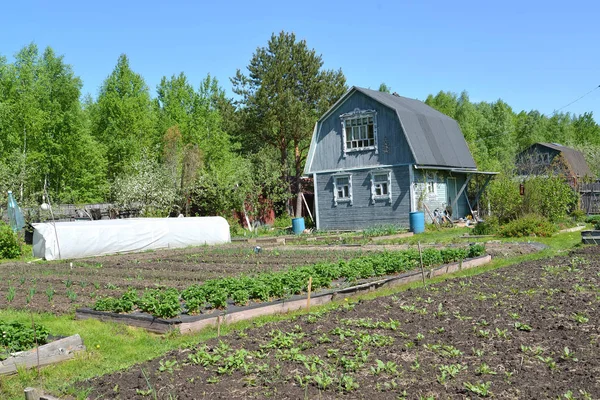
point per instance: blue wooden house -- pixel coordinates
(375, 157)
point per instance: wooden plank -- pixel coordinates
(51, 353)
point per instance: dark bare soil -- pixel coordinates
(529, 331)
(62, 286)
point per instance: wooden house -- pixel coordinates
(553, 158)
(375, 157)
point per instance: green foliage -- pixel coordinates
(19, 337)
(122, 118)
(283, 221)
(529, 225)
(285, 92)
(476, 250)
(160, 303)
(381, 230)
(145, 183)
(504, 198)
(488, 227)
(276, 285)
(9, 242)
(550, 196)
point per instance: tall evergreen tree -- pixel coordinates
(283, 95)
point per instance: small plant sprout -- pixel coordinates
(580, 318)
(568, 355)
(485, 369)
(479, 388)
(522, 327)
(10, 296)
(50, 293)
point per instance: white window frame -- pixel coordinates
(336, 198)
(374, 196)
(431, 179)
(359, 114)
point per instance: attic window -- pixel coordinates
(360, 130)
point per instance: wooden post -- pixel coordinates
(32, 394)
(431, 215)
(307, 208)
(421, 257)
(218, 325)
(308, 297)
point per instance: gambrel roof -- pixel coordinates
(574, 158)
(434, 138)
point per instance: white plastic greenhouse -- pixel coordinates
(95, 238)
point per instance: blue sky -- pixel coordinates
(532, 54)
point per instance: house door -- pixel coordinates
(451, 192)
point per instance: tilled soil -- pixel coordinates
(529, 331)
(62, 286)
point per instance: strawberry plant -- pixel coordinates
(18, 337)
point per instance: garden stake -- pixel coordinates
(421, 256)
(308, 297)
(218, 325)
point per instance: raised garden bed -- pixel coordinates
(590, 237)
(232, 313)
(50, 353)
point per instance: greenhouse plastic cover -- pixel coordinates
(95, 238)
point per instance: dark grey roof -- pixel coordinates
(434, 138)
(573, 157)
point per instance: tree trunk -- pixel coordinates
(298, 165)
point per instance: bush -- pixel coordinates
(9, 242)
(578, 215)
(550, 196)
(592, 219)
(282, 222)
(597, 226)
(488, 227)
(529, 225)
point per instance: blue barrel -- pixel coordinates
(298, 225)
(417, 221)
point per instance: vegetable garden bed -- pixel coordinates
(525, 331)
(234, 299)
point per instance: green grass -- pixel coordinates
(112, 347)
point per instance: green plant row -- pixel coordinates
(18, 337)
(167, 303)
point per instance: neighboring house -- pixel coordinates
(375, 157)
(545, 158)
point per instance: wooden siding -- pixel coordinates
(444, 192)
(393, 148)
(363, 213)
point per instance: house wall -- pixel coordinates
(363, 213)
(391, 142)
(444, 193)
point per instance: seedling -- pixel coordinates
(479, 388)
(580, 318)
(522, 327)
(568, 355)
(485, 369)
(50, 293)
(10, 296)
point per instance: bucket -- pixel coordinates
(417, 221)
(298, 225)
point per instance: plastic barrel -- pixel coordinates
(298, 225)
(417, 221)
